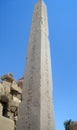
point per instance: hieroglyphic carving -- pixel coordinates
(29, 92)
(37, 95)
(47, 87)
(28, 106)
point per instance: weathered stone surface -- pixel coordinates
(36, 110)
(8, 77)
(15, 87)
(10, 97)
(6, 124)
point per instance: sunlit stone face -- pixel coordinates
(36, 110)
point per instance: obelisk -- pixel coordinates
(36, 112)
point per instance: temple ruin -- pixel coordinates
(10, 96)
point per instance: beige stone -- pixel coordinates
(6, 124)
(10, 98)
(36, 111)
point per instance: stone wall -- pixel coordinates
(10, 98)
(6, 124)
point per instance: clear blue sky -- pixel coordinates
(15, 23)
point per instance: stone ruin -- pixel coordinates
(10, 96)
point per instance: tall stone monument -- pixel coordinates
(36, 111)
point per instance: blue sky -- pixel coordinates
(15, 23)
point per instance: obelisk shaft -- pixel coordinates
(36, 110)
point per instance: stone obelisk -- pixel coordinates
(36, 111)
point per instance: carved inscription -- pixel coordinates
(29, 92)
(47, 88)
(28, 107)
